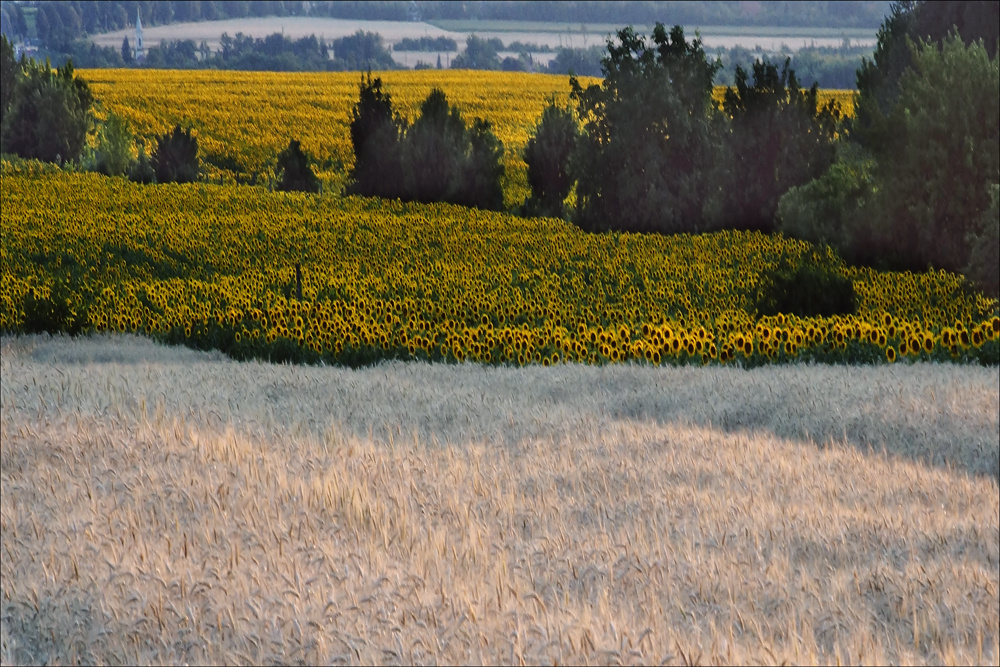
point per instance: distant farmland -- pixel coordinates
(552, 35)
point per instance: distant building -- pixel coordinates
(140, 50)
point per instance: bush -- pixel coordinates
(547, 155)
(176, 157)
(54, 313)
(830, 210)
(142, 170)
(294, 172)
(807, 286)
(113, 156)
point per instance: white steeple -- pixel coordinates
(140, 51)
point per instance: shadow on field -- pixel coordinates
(938, 414)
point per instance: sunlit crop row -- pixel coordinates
(214, 266)
(243, 119)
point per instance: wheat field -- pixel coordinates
(162, 505)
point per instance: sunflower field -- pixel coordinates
(243, 119)
(285, 276)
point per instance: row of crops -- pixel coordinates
(348, 280)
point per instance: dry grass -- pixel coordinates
(167, 506)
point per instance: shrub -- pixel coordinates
(807, 286)
(54, 313)
(294, 172)
(142, 170)
(830, 210)
(176, 157)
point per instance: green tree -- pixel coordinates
(294, 171)
(777, 139)
(10, 71)
(984, 258)
(936, 168)
(832, 209)
(878, 79)
(547, 155)
(376, 131)
(435, 148)
(113, 155)
(647, 147)
(127, 51)
(479, 54)
(175, 159)
(47, 114)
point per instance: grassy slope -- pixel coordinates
(168, 506)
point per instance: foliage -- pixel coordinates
(142, 170)
(46, 113)
(113, 155)
(438, 158)
(361, 51)
(547, 155)
(207, 266)
(811, 285)
(376, 130)
(647, 146)
(175, 159)
(578, 62)
(53, 312)
(984, 257)
(831, 209)
(878, 79)
(294, 171)
(778, 137)
(942, 155)
(426, 43)
(479, 54)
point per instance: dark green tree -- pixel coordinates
(937, 166)
(47, 113)
(878, 79)
(376, 131)
(294, 171)
(547, 155)
(435, 151)
(479, 54)
(10, 71)
(127, 51)
(777, 139)
(484, 168)
(175, 159)
(644, 158)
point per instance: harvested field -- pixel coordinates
(167, 506)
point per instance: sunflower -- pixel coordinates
(890, 354)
